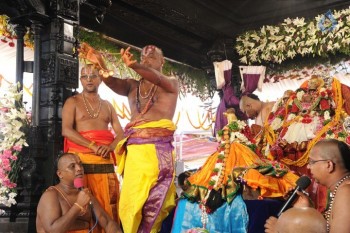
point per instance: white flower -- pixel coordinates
(241, 124)
(276, 123)
(299, 22)
(244, 60)
(287, 21)
(290, 117)
(300, 37)
(238, 137)
(327, 115)
(291, 54)
(216, 177)
(300, 95)
(329, 136)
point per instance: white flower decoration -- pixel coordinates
(12, 119)
(293, 37)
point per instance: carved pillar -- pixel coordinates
(55, 75)
(58, 76)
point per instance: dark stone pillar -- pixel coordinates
(20, 32)
(36, 27)
(55, 74)
(59, 75)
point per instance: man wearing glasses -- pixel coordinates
(329, 165)
(85, 121)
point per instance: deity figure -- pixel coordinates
(296, 122)
(216, 188)
(314, 111)
(230, 115)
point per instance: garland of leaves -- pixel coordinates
(192, 80)
(325, 34)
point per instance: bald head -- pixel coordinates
(335, 150)
(247, 99)
(244, 101)
(250, 106)
(303, 219)
(148, 49)
(63, 159)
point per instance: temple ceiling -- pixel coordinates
(194, 32)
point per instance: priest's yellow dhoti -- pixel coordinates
(148, 190)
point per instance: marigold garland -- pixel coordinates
(7, 33)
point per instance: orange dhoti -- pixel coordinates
(100, 176)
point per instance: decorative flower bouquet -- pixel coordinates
(13, 121)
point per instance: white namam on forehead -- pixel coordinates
(88, 69)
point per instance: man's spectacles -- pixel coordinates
(312, 162)
(92, 76)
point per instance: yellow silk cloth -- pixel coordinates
(140, 175)
(104, 187)
(142, 130)
(240, 159)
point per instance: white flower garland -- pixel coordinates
(296, 37)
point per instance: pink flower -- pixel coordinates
(4, 109)
(347, 140)
(17, 148)
(9, 184)
(7, 153)
(5, 162)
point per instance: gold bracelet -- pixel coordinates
(91, 144)
(80, 207)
